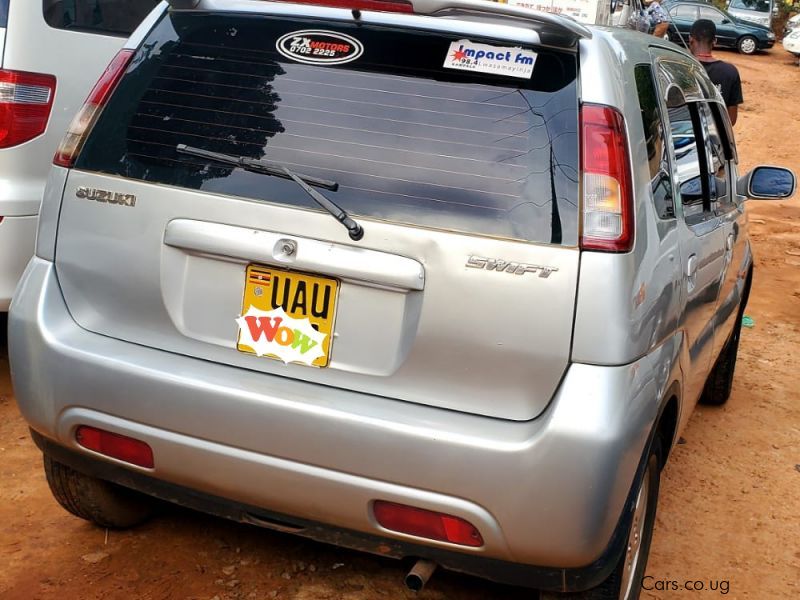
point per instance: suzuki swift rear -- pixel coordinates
(315, 268)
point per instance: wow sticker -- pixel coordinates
(276, 334)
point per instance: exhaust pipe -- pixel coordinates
(419, 574)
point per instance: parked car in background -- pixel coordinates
(753, 11)
(791, 43)
(732, 32)
(51, 52)
(791, 24)
(421, 279)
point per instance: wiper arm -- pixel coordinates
(254, 165)
(355, 230)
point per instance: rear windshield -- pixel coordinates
(383, 112)
(111, 17)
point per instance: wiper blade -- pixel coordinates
(254, 165)
(355, 230)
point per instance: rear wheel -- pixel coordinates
(747, 45)
(625, 582)
(95, 500)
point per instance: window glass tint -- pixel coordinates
(689, 152)
(3, 13)
(757, 5)
(406, 139)
(711, 14)
(654, 138)
(718, 163)
(118, 17)
(685, 11)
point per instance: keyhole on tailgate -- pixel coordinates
(285, 249)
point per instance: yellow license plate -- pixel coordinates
(287, 316)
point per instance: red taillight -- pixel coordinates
(84, 121)
(426, 524)
(26, 100)
(379, 5)
(116, 446)
(607, 191)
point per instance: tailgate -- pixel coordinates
(461, 293)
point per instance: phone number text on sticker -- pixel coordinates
(319, 47)
(497, 60)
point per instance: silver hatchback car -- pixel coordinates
(440, 279)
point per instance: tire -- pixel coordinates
(747, 45)
(625, 582)
(101, 502)
(720, 381)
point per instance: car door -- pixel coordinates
(726, 28)
(700, 230)
(729, 208)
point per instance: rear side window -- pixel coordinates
(3, 13)
(406, 139)
(115, 17)
(685, 11)
(653, 126)
(690, 154)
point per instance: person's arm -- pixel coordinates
(735, 97)
(733, 112)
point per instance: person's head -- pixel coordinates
(702, 36)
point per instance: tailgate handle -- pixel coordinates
(270, 248)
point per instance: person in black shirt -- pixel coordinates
(724, 75)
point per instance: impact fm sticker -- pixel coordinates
(274, 333)
(319, 47)
(497, 60)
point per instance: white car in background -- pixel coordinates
(51, 53)
(791, 40)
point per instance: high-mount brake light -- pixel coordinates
(426, 524)
(379, 5)
(26, 100)
(121, 447)
(87, 116)
(607, 188)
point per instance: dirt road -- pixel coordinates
(728, 517)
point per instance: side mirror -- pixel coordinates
(767, 183)
(725, 21)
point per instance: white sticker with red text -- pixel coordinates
(274, 333)
(497, 60)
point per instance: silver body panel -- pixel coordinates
(245, 429)
(76, 58)
(575, 393)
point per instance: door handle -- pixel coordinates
(729, 243)
(691, 266)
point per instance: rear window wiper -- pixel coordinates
(277, 170)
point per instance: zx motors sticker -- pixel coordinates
(318, 47)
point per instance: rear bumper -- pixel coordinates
(547, 495)
(17, 238)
